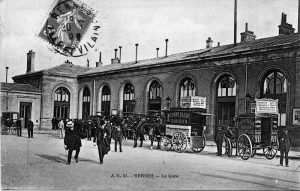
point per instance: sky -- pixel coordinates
(186, 23)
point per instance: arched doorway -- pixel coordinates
(61, 103)
(226, 95)
(154, 102)
(274, 86)
(86, 99)
(128, 100)
(105, 101)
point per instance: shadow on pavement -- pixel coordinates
(238, 180)
(83, 159)
(53, 158)
(259, 176)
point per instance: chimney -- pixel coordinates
(284, 27)
(218, 44)
(167, 47)
(87, 63)
(157, 49)
(247, 35)
(30, 61)
(99, 63)
(120, 47)
(136, 52)
(209, 43)
(115, 60)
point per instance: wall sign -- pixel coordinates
(193, 102)
(266, 106)
(296, 116)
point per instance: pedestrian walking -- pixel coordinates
(89, 125)
(219, 140)
(61, 127)
(102, 141)
(139, 132)
(117, 136)
(19, 127)
(285, 141)
(30, 128)
(72, 142)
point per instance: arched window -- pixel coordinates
(86, 102)
(274, 86)
(226, 87)
(105, 101)
(61, 103)
(274, 83)
(155, 96)
(226, 92)
(128, 100)
(187, 88)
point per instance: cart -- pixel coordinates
(184, 126)
(254, 132)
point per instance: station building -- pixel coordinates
(230, 76)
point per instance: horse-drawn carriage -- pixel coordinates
(254, 132)
(185, 126)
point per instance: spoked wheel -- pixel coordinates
(271, 151)
(166, 143)
(13, 129)
(201, 146)
(179, 142)
(4, 130)
(228, 147)
(244, 146)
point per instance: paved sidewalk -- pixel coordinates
(210, 147)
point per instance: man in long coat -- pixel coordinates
(102, 140)
(285, 141)
(72, 141)
(30, 128)
(219, 139)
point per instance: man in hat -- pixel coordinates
(72, 141)
(285, 141)
(219, 139)
(30, 128)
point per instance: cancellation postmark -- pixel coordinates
(67, 24)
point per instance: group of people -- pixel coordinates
(284, 140)
(104, 131)
(29, 126)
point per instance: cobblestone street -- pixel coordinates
(40, 163)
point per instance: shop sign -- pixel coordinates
(193, 102)
(266, 106)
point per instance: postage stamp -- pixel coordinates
(66, 25)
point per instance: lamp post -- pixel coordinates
(6, 73)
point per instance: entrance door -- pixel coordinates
(226, 112)
(266, 131)
(25, 111)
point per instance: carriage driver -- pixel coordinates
(219, 139)
(139, 133)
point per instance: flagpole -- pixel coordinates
(235, 20)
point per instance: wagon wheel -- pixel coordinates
(179, 141)
(228, 147)
(199, 149)
(13, 129)
(244, 146)
(271, 151)
(166, 143)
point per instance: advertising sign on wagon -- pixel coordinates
(266, 106)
